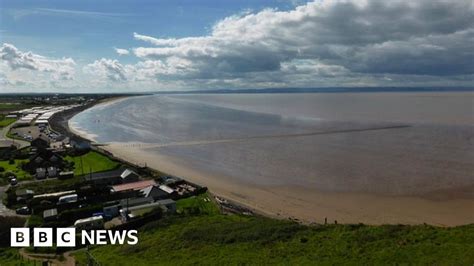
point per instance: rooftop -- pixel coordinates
(134, 185)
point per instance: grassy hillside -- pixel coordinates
(92, 161)
(10, 256)
(211, 238)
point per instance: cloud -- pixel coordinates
(325, 43)
(339, 37)
(22, 13)
(60, 69)
(107, 68)
(120, 51)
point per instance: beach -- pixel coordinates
(396, 171)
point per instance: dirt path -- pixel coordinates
(53, 259)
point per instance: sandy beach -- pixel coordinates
(395, 172)
(309, 205)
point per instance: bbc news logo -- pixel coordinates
(66, 237)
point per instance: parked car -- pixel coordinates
(13, 181)
(23, 211)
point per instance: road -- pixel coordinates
(5, 141)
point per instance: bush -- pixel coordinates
(9, 174)
(35, 221)
(2, 169)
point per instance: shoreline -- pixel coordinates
(298, 203)
(345, 208)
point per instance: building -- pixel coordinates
(129, 213)
(43, 159)
(40, 173)
(52, 171)
(158, 192)
(50, 215)
(104, 178)
(54, 195)
(41, 142)
(129, 176)
(133, 186)
(169, 204)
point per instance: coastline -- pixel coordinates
(298, 203)
(60, 122)
(308, 205)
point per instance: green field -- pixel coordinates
(216, 239)
(16, 169)
(14, 106)
(92, 162)
(6, 121)
(11, 256)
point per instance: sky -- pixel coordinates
(145, 45)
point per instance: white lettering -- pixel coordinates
(90, 238)
(133, 236)
(101, 237)
(117, 236)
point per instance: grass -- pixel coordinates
(52, 185)
(200, 204)
(216, 239)
(92, 162)
(14, 106)
(6, 121)
(16, 169)
(11, 256)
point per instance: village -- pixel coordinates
(63, 181)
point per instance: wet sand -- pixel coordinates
(308, 204)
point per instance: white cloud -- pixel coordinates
(107, 68)
(368, 37)
(120, 51)
(60, 69)
(320, 43)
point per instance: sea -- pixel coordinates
(390, 143)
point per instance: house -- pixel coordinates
(41, 142)
(104, 178)
(133, 186)
(50, 215)
(158, 192)
(40, 173)
(52, 171)
(43, 159)
(129, 176)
